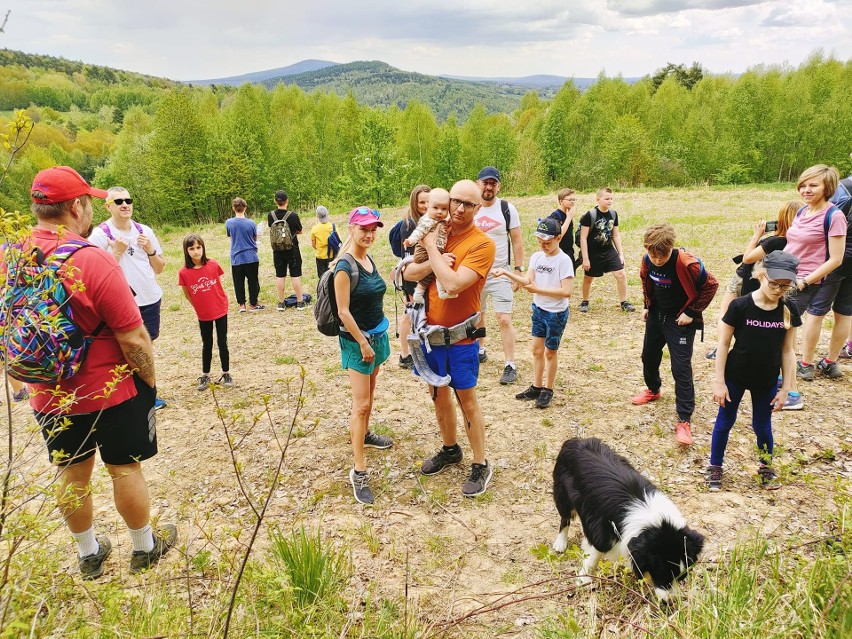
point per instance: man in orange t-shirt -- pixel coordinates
(462, 270)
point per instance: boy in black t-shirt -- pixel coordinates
(600, 245)
(677, 289)
(564, 214)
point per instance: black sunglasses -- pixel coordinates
(120, 201)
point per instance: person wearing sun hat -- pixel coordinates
(122, 408)
(363, 339)
(550, 278)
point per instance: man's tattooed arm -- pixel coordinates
(138, 351)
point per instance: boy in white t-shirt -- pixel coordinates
(550, 278)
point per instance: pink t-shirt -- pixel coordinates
(105, 296)
(806, 238)
(205, 290)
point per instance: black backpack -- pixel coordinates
(325, 307)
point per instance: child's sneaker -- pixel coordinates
(646, 397)
(203, 382)
(159, 404)
(242, 308)
(360, 488)
(768, 478)
(710, 354)
(846, 351)
(793, 402)
(21, 396)
(584, 306)
(257, 307)
(683, 433)
(281, 306)
(441, 460)
(828, 369)
(713, 478)
(531, 393)
(509, 376)
(627, 306)
(226, 380)
(406, 362)
(477, 483)
(544, 398)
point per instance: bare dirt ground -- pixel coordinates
(456, 553)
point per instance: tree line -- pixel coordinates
(185, 152)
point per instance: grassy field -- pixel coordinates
(425, 562)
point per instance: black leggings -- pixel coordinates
(207, 343)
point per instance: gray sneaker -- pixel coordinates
(92, 566)
(509, 376)
(793, 402)
(360, 488)
(203, 382)
(832, 370)
(805, 372)
(441, 460)
(371, 440)
(627, 306)
(544, 398)
(226, 380)
(281, 306)
(584, 306)
(477, 483)
(713, 478)
(483, 356)
(164, 538)
(768, 478)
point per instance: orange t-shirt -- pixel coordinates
(475, 250)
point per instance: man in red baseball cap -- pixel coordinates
(98, 409)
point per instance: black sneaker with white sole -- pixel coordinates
(440, 460)
(477, 483)
(360, 488)
(372, 440)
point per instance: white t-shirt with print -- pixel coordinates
(134, 261)
(490, 221)
(549, 273)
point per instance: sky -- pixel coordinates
(195, 40)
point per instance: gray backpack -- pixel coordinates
(280, 234)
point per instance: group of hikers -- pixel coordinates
(459, 249)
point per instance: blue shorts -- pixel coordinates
(459, 361)
(549, 325)
(350, 353)
(151, 318)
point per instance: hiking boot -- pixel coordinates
(371, 440)
(406, 362)
(710, 354)
(164, 539)
(584, 306)
(805, 372)
(683, 433)
(627, 306)
(203, 382)
(793, 402)
(300, 306)
(846, 352)
(242, 308)
(828, 369)
(645, 397)
(531, 393)
(483, 356)
(360, 488)
(441, 460)
(768, 478)
(21, 396)
(281, 306)
(226, 380)
(713, 478)
(544, 398)
(92, 566)
(509, 376)
(159, 404)
(257, 307)
(480, 475)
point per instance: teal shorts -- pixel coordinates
(350, 353)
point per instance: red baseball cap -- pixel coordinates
(60, 184)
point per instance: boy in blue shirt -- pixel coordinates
(244, 260)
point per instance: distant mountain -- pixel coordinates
(537, 82)
(379, 84)
(258, 77)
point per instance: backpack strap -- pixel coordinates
(504, 208)
(65, 250)
(846, 183)
(105, 228)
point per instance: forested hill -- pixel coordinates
(379, 84)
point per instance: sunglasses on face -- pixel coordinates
(119, 201)
(364, 210)
(468, 206)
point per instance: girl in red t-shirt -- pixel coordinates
(202, 286)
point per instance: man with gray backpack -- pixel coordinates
(284, 227)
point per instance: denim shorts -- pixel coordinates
(549, 325)
(151, 318)
(459, 361)
(350, 353)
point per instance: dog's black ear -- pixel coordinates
(693, 545)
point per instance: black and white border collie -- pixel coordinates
(623, 515)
